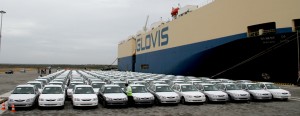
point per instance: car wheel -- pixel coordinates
(252, 98)
(157, 102)
(183, 100)
(104, 105)
(207, 99)
(62, 107)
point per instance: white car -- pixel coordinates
(141, 95)
(276, 91)
(24, 96)
(38, 84)
(52, 96)
(71, 87)
(255, 91)
(84, 95)
(235, 93)
(112, 95)
(164, 94)
(97, 85)
(189, 93)
(212, 93)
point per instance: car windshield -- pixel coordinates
(84, 90)
(187, 88)
(112, 90)
(163, 89)
(52, 90)
(72, 85)
(138, 89)
(97, 85)
(210, 88)
(253, 87)
(232, 87)
(38, 85)
(23, 90)
(271, 86)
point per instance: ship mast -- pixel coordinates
(145, 27)
(297, 30)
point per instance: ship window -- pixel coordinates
(262, 29)
(297, 25)
(145, 66)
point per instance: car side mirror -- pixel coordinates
(123, 89)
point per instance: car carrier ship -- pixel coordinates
(234, 39)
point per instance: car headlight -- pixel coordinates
(108, 99)
(214, 96)
(60, 99)
(258, 94)
(236, 94)
(76, 99)
(136, 98)
(11, 100)
(95, 99)
(152, 98)
(162, 97)
(188, 96)
(41, 99)
(125, 98)
(29, 100)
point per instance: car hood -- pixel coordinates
(69, 90)
(215, 93)
(85, 96)
(166, 93)
(51, 96)
(142, 95)
(195, 93)
(278, 91)
(96, 89)
(236, 92)
(259, 91)
(21, 96)
(115, 95)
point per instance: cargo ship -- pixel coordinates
(234, 39)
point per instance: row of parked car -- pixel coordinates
(88, 88)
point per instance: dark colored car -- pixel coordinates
(9, 72)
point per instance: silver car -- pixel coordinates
(255, 91)
(112, 95)
(235, 93)
(141, 95)
(164, 94)
(212, 93)
(24, 96)
(277, 92)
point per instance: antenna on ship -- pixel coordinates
(145, 27)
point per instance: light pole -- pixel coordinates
(2, 12)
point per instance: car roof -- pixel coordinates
(76, 82)
(161, 84)
(180, 84)
(83, 86)
(265, 82)
(56, 82)
(111, 85)
(34, 82)
(98, 82)
(248, 83)
(26, 85)
(136, 85)
(227, 83)
(205, 84)
(52, 85)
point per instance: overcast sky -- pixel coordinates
(74, 31)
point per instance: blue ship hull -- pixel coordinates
(271, 58)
